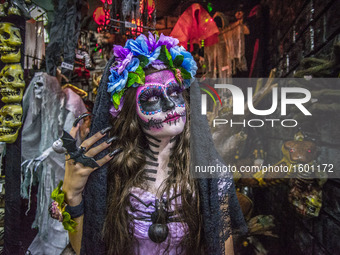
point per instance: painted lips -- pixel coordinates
(172, 117)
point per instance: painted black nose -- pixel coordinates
(167, 104)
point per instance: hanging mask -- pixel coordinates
(10, 43)
(39, 86)
(10, 123)
(12, 83)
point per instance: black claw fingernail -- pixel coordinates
(75, 123)
(115, 152)
(110, 140)
(103, 131)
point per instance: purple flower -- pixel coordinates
(154, 41)
(140, 47)
(55, 211)
(168, 41)
(123, 58)
(120, 52)
(113, 111)
(151, 41)
(158, 64)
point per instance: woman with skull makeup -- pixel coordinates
(141, 197)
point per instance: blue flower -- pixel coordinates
(116, 82)
(189, 63)
(133, 65)
(140, 47)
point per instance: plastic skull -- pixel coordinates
(12, 83)
(10, 123)
(10, 43)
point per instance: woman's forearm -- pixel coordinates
(75, 237)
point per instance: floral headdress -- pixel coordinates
(160, 52)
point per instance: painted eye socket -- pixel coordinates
(153, 99)
(174, 94)
(150, 96)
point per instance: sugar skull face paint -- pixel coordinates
(160, 105)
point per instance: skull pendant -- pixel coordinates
(10, 43)
(10, 123)
(12, 83)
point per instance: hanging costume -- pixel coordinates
(47, 111)
(228, 56)
(218, 64)
(194, 25)
(64, 33)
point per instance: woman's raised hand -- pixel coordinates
(76, 174)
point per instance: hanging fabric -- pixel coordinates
(218, 65)
(233, 37)
(195, 25)
(64, 33)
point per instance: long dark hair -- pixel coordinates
(125, 172)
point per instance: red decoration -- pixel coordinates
(150, 4)
(195, 25)
(99, 16)
(108, 1)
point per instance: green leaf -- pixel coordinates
(68, 227)
(54, 194)
(165, 56)
(66, 216)
(141, 75)
(185, 74)
(138, 80)
(178, 60)
(117, 97)
(143, 61)
(136, 77)
(139, 70)
(68, 223)
(168, 56)
(60, 184)
(56, 191)
(132, 77)
(60, 199)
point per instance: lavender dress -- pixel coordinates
(142, 206)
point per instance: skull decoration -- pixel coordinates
(39, 87)
(10, 123)
(12, 83)
(3, 9)
(10, 42)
